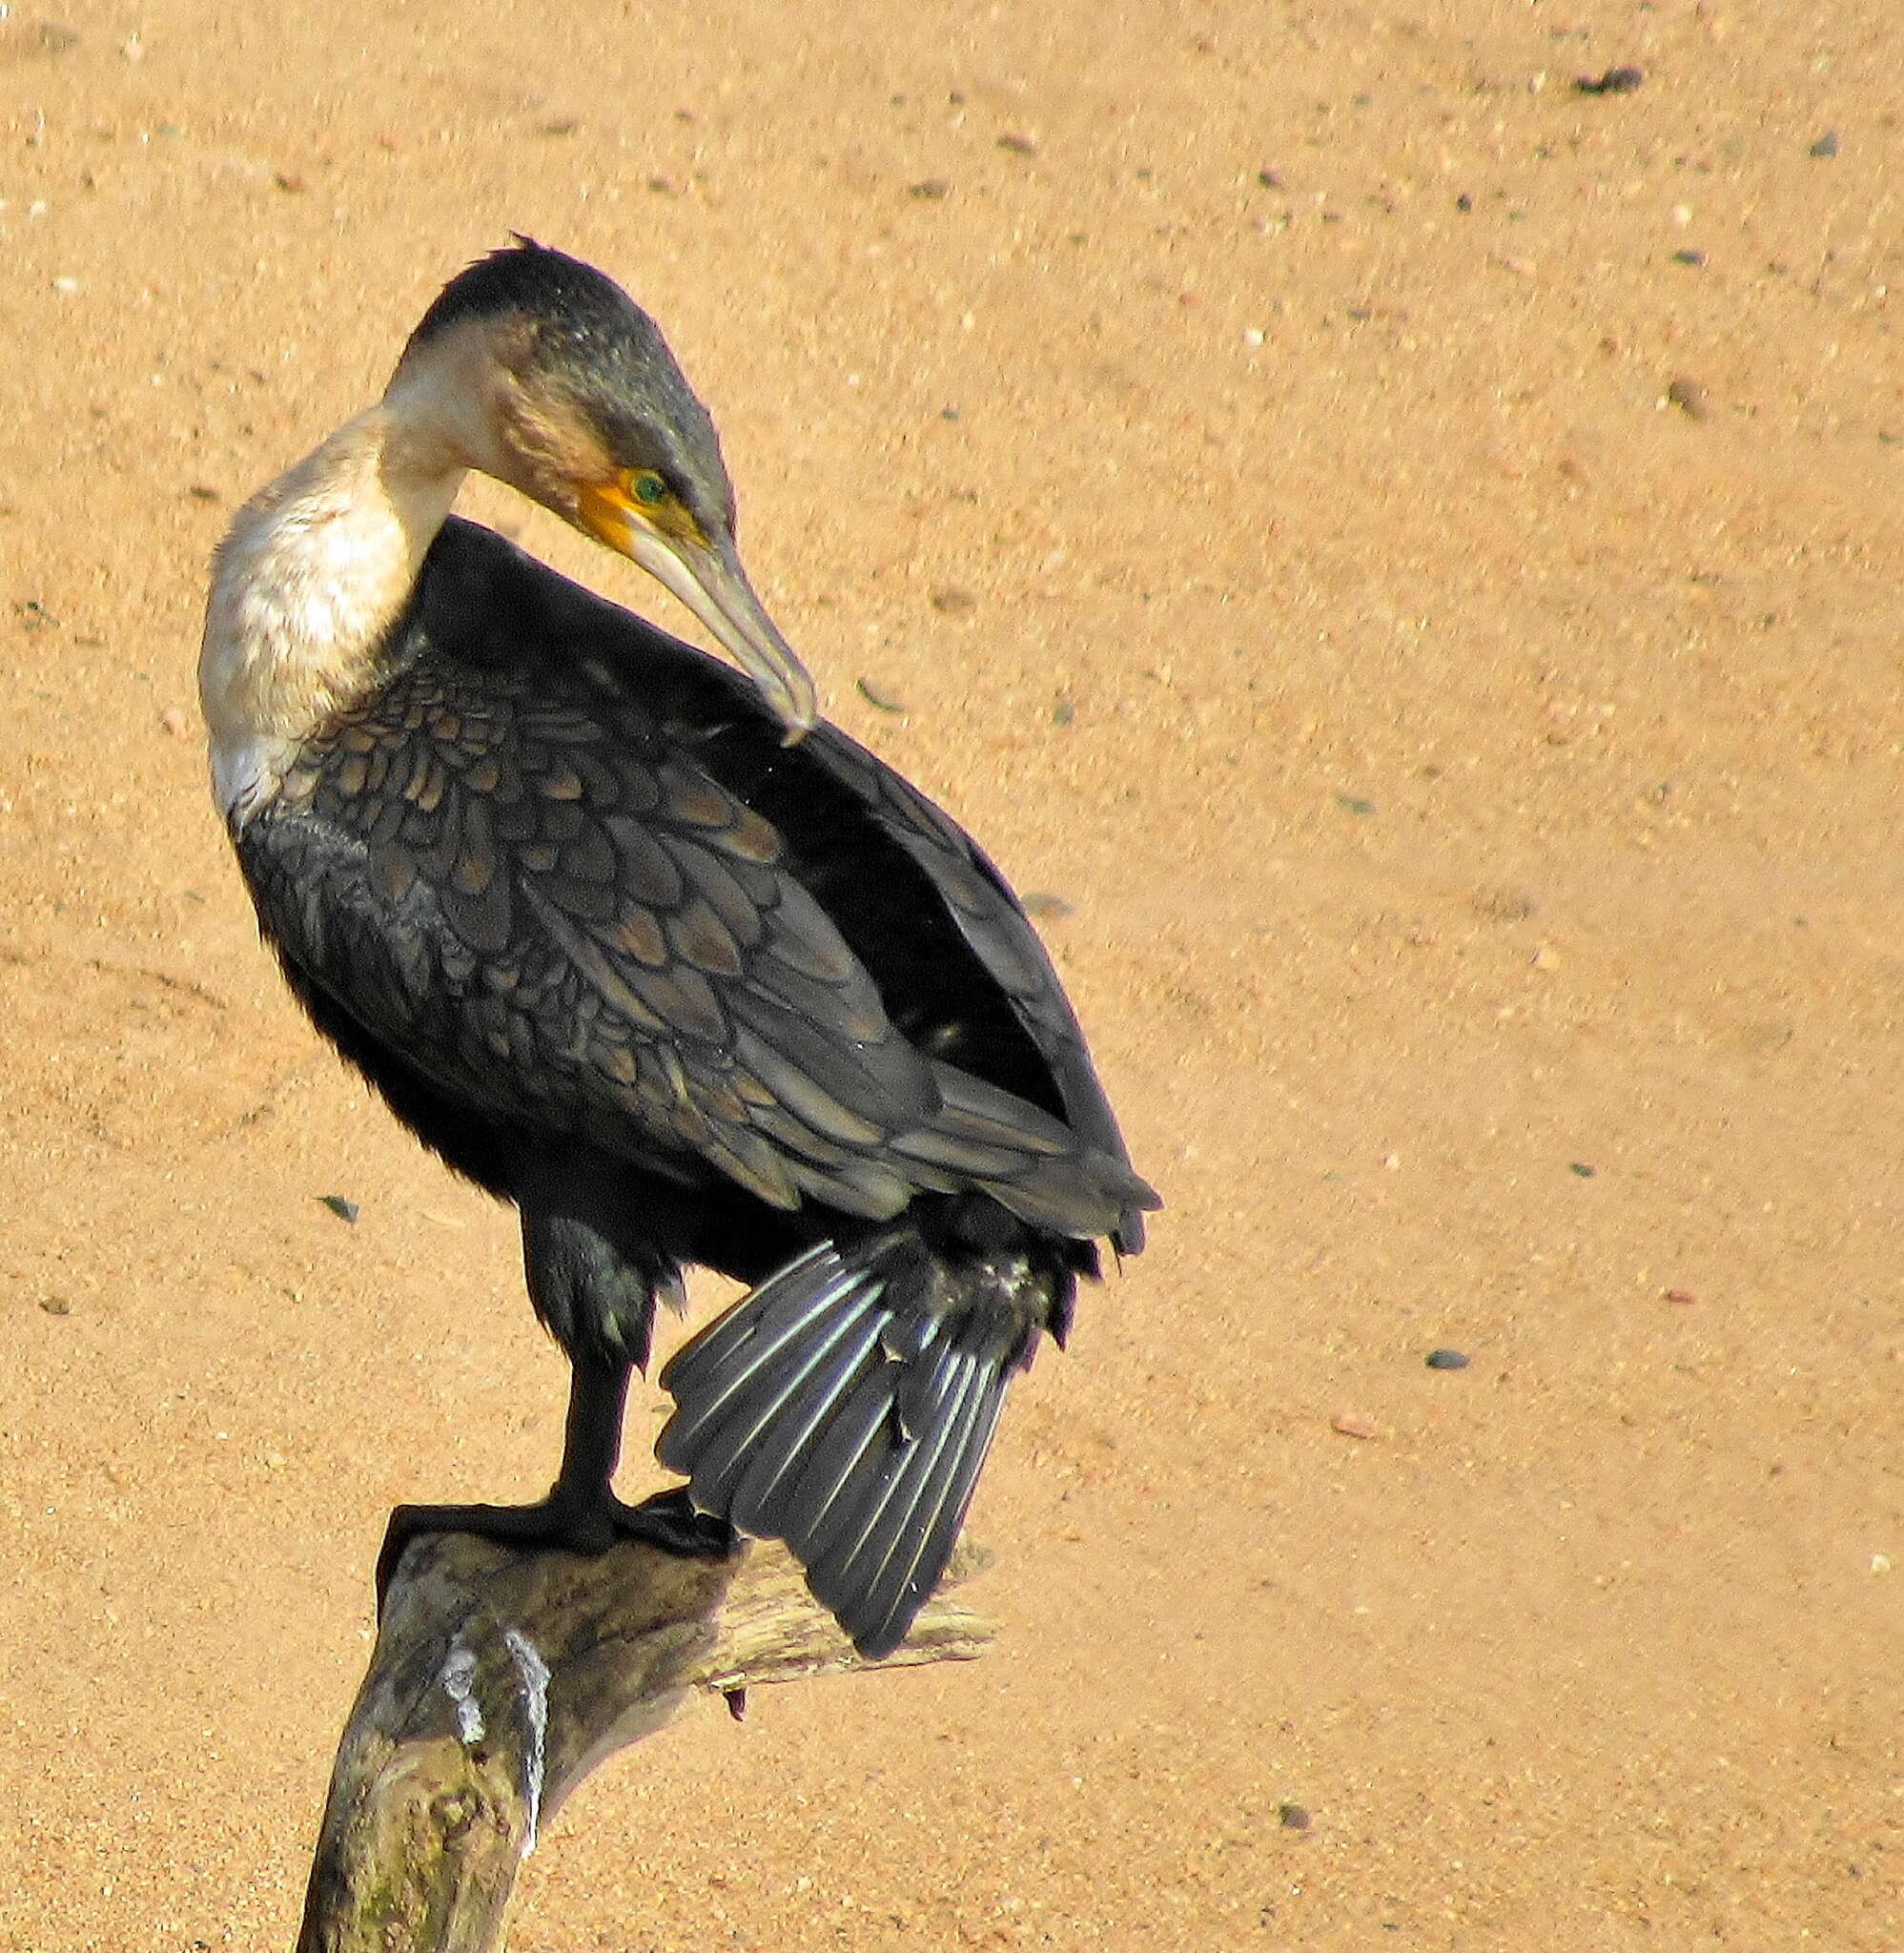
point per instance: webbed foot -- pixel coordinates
(668, 1521)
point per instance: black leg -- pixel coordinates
(598, 1396)
(582, 1513)
(591, 1448)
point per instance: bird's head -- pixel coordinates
(546, 374)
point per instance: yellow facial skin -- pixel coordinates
(608, 508)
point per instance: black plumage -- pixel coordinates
(687, 992)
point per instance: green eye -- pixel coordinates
(649, 487)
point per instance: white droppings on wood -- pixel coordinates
(535, 1674)
(458, 1677)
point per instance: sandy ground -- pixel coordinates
(1409, 552)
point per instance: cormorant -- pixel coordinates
(652, 951)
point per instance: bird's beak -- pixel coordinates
(708, 577)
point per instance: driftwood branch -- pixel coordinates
(502, 1675)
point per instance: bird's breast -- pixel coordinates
(306, 588)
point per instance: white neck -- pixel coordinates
(310, 577)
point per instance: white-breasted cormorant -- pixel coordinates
(649, 950)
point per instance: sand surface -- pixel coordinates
(1409, 552)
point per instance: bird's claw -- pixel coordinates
(673, 1522)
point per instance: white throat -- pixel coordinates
(312, 573)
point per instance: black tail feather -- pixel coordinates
(847, 1404)
(770, 1421)
(914, 1517)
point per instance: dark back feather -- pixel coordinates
(959, 966)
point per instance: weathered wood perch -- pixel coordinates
(502, 1675)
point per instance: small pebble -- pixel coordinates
(954, 603)
(1580, 1167)
(1292, 1817)
(1695, 258)
(1446, 1359)
(1353, 1424)
(1826, 146)
(343, 1209)
(56, 1305)
(1043, 903)
(200, 492)
(291, 182)
(174, 722)
(931, 190)
(1063, 712)
(1354, 803)
(1019, 145)
(1680, 1295)
(1690, 397)
(1616, 81)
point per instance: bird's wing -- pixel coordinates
(555, 913)
(993, 923)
